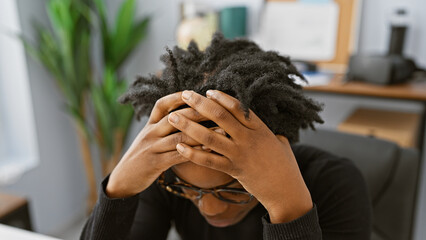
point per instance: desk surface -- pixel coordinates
(408, 91)
(11, 233)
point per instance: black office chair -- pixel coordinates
(391, 173)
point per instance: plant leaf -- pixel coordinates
(139, 33)
(106, 34)
(123, 27)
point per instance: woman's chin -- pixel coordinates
(222, 223)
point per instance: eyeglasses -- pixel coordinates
(186, 190)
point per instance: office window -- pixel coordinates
(18, 146)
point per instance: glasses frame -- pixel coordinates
(201, 191)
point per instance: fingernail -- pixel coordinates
(186, 94)
(205, 148)
(210, 93)
(220, 130)
(173, 118)
(180, 147)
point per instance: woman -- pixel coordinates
(216, 157)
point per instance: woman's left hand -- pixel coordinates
(262, 162)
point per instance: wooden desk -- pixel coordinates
(407, 91)
(412, 91)
(14, 211)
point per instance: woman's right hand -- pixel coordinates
(152, 151)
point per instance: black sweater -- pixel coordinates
(341, 210)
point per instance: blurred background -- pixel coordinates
(63, 63)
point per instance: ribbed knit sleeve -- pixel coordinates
(306, 227)
(111, 218)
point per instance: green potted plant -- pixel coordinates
(65, 51)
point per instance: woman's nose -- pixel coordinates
(209, 205)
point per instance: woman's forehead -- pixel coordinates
(201, 176)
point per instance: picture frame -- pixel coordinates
(347, 37)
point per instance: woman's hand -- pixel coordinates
(261, 161)
(153, 150)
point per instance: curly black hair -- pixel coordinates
(261, 80)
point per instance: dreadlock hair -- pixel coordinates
(262, 81)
